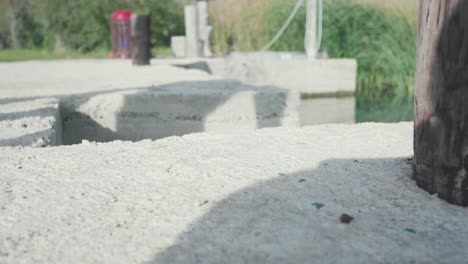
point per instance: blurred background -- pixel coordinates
(380, 34)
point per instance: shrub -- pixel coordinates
(380, 37)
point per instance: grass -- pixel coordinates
(161, 52)
(383, 41)
(380, 34)
(10, 55)
(385, 110)
(238, 24)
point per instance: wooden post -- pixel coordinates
(140, 39)
(441, 100)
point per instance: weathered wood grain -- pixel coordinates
(441, 100)
(140, 39)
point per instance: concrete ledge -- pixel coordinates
(243, 197)
(177, 109)
(292, 71)
(110, 99)
(33, 123)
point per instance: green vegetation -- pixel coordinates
(36, 54)
(161, 52)
(381, 38)
(381, 34)
(80, 25)
(384, 43)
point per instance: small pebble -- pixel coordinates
(346, 219)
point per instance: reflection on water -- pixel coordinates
(385, 109)
(328, 110)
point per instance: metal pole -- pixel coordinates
(311, 28)
(192, 43)
(204, 30)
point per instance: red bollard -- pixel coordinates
(120, 29)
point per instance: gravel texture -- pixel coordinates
(266, 196)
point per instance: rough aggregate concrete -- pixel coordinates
(265, 196)
(33, 123)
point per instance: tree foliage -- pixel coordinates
(84, 25)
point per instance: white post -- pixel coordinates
(192, 43)
(204, 30)
(311, 28)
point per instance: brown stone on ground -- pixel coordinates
(346, 219)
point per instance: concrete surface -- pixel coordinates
(35, 122)
(292, 71)
(177, 109)
(265, 196)
(105, 100)
(330, 82)
(178, 46)
(110, 99)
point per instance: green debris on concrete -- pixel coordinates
(318, 205)
(410, 230)
(282, 174)
(302, 180)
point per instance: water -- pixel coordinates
(327, 111)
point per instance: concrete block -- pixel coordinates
(178, 109)
(33, 123)
(292, 71)
(178, 46)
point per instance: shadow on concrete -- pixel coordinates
(173, 110)
(28, 139)
(17, 100)
(36, 139)
(78, 126)
(139, 116)
(315, 109)
(294, 219)
(19, 115)
(199, 65)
